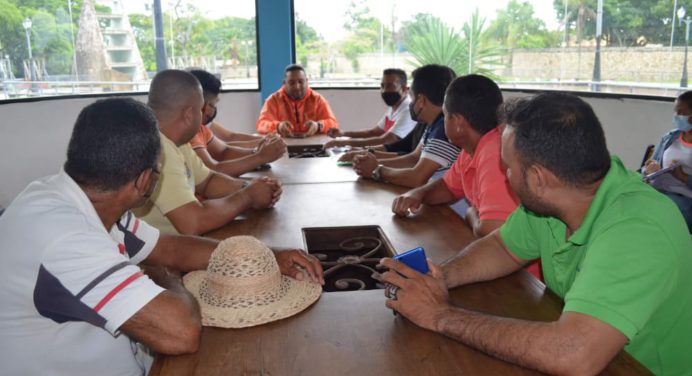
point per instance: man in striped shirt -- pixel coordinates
(435, 153)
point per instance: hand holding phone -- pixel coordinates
(414, 259)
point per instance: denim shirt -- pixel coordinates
(664, 144)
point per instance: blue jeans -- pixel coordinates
(684, 203)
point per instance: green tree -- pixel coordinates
(143, 30)
(12, 42)
(308, 42)
(365, 32)
(431, 41)
(516, 27)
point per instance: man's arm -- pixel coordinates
(372, 132)
(217, 158)
(269, 116)
(325, 116)
(361, 142)
(481, 227)
(226, 200)
(575, 344)
(432, 193)
(226, 135)
(170, 323)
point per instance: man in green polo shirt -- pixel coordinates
(613, 248)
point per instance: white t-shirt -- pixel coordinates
(682, 153)
(69, 284)
(398, 122)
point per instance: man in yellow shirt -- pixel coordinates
(191, 199)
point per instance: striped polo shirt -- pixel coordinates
(436, 146)
(69, 284)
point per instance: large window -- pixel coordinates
(540, 44)
(65, 47)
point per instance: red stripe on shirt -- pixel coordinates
(134, 229)
(116, 290)
(121, 248)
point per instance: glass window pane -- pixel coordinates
(89, 47)
(534, 44)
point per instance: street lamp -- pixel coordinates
(27, 27)
(687, 21)
(247, 44)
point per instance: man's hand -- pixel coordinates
(651, 166)
(348, 156)
(285, 129)
(335, 143)
(406, 204)
(292, 262)
(312, 127)
(271, 148)
(334, 132)
(364, 164)
(680, 174)
(421, 298)
(263, 192)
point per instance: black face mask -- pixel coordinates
(208, 120)
(391, 98)
(412, 111)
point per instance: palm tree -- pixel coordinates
(433, 42)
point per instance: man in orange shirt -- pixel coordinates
(296, 110)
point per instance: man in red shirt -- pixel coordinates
(296, 110)
(478, 175)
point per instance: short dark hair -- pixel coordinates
(560, 132)
(112, 142)
(476, 98)
(294, 67)
(686, 97)
(399, 73)
(432, 81)
(171, 89)
(211, 85)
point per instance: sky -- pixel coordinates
(327, 16)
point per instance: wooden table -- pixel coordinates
(353, 333)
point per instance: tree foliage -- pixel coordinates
(431, 41)
(517, 27)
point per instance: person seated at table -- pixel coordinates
(471, 123)
(394, 125)
(615, 250)
(191, 199)
(216, 154)
(434, 154)
(393, 149)
(75, 301)
(296, 110)
(676, 147)
(211, 85)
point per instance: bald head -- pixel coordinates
(176, 98)
(171, 91)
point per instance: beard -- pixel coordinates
(533, 203)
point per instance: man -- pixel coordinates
(434, 154)
(613, 248)
(296, 110)
(394, 125)
(470, 122)
(191, 199)
(74, 300)
(217, 155)
(211, 86)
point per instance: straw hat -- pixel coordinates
(243, 286)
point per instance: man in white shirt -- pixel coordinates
(74, 298)
(394, 125)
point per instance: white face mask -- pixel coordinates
(682, 123)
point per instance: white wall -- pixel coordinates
(35, 134)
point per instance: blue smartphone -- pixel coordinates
(414, 259)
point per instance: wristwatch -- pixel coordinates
(320, 126)
(376, 173)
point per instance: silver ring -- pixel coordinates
(392, 289)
